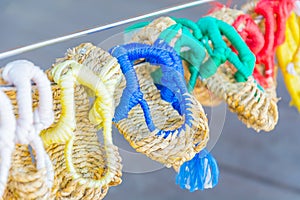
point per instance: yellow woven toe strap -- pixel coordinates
(288, 55)
(103, 106)
(103, 65)
(63, 130)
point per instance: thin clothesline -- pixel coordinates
(31, 47)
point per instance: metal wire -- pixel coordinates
(97, 29)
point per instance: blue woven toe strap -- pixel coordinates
(170, 83)
(177, 65)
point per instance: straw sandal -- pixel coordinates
(185, 131)
(155, 94)
(28, 179)
(262, 115)
(235, 84)
(270, 17)
(84, 168)
(87, 54)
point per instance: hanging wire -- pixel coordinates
(97, 29)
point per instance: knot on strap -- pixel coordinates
(24, 134)
(221, 55)
(200, 173)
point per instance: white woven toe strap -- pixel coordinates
(7, 137)
(20, 73)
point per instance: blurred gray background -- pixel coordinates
(252, 165)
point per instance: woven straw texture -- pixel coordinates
(249, 8)
(88, 155)
(95, 58)
(229, 15)
(170, 151)
(176, 148)
(150, 33)
(254, 107)
(201, 92)
(24, 181)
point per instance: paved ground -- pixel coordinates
(253, 165)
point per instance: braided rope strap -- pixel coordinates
(209, 34)
(250, 32)
(185, 36)
(91, 56)
(171, 142)
(7, 138)
(101, 63)
(85, 169)
(186, 45)
(288, 56)
(29, 180)
(271, 18)
(245, 97)
(199, 36)
(185, 131)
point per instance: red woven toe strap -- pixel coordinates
(248, 29)
(275, 13)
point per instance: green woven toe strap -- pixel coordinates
(192, 26)
(195, 41)
(214, 30)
